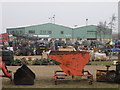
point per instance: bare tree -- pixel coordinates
(102, 26)
(112, 22)
(101, 29)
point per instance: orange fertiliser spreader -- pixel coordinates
(71, 62)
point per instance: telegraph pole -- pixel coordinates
(54, 18)
(119, 30)
(50, 19)
(86, 21)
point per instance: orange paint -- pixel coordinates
(72, 62)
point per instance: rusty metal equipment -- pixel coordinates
(24, 76)
(5, 71)
(72, 64)
(112, 76)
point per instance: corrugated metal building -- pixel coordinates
(50, 30)
(92, 32)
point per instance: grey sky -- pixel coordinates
(66, 13)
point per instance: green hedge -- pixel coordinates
(18, 62)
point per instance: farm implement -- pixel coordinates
(23, 75)
(112, 76)
(72, 64)
(6, 72)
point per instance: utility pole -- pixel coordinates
(54, 18)
(86, 22)
(119, 30)
(50, 19)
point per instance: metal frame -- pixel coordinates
(62, 77)
(6, 72)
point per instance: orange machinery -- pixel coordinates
(72, 63)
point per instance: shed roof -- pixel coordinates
(38, 25)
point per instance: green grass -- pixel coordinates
(101, 62)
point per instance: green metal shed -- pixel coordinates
(92, 32)
(50, 30)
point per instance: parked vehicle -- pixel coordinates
(7, 56)
(3, 39)
(25, 51)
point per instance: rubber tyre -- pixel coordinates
(111, 77)
(17, 52)
(29, 53)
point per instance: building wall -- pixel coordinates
(91, 32)
(17, 31)
(49, 30)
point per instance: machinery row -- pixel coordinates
(72, 64)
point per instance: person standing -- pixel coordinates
(111, 44)
(51, 45)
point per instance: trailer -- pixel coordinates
(72, 64)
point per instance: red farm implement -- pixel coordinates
(5, 71)
(72, 63)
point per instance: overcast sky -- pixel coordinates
(66, 13)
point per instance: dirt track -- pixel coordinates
(44, 77)
(48, 70)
